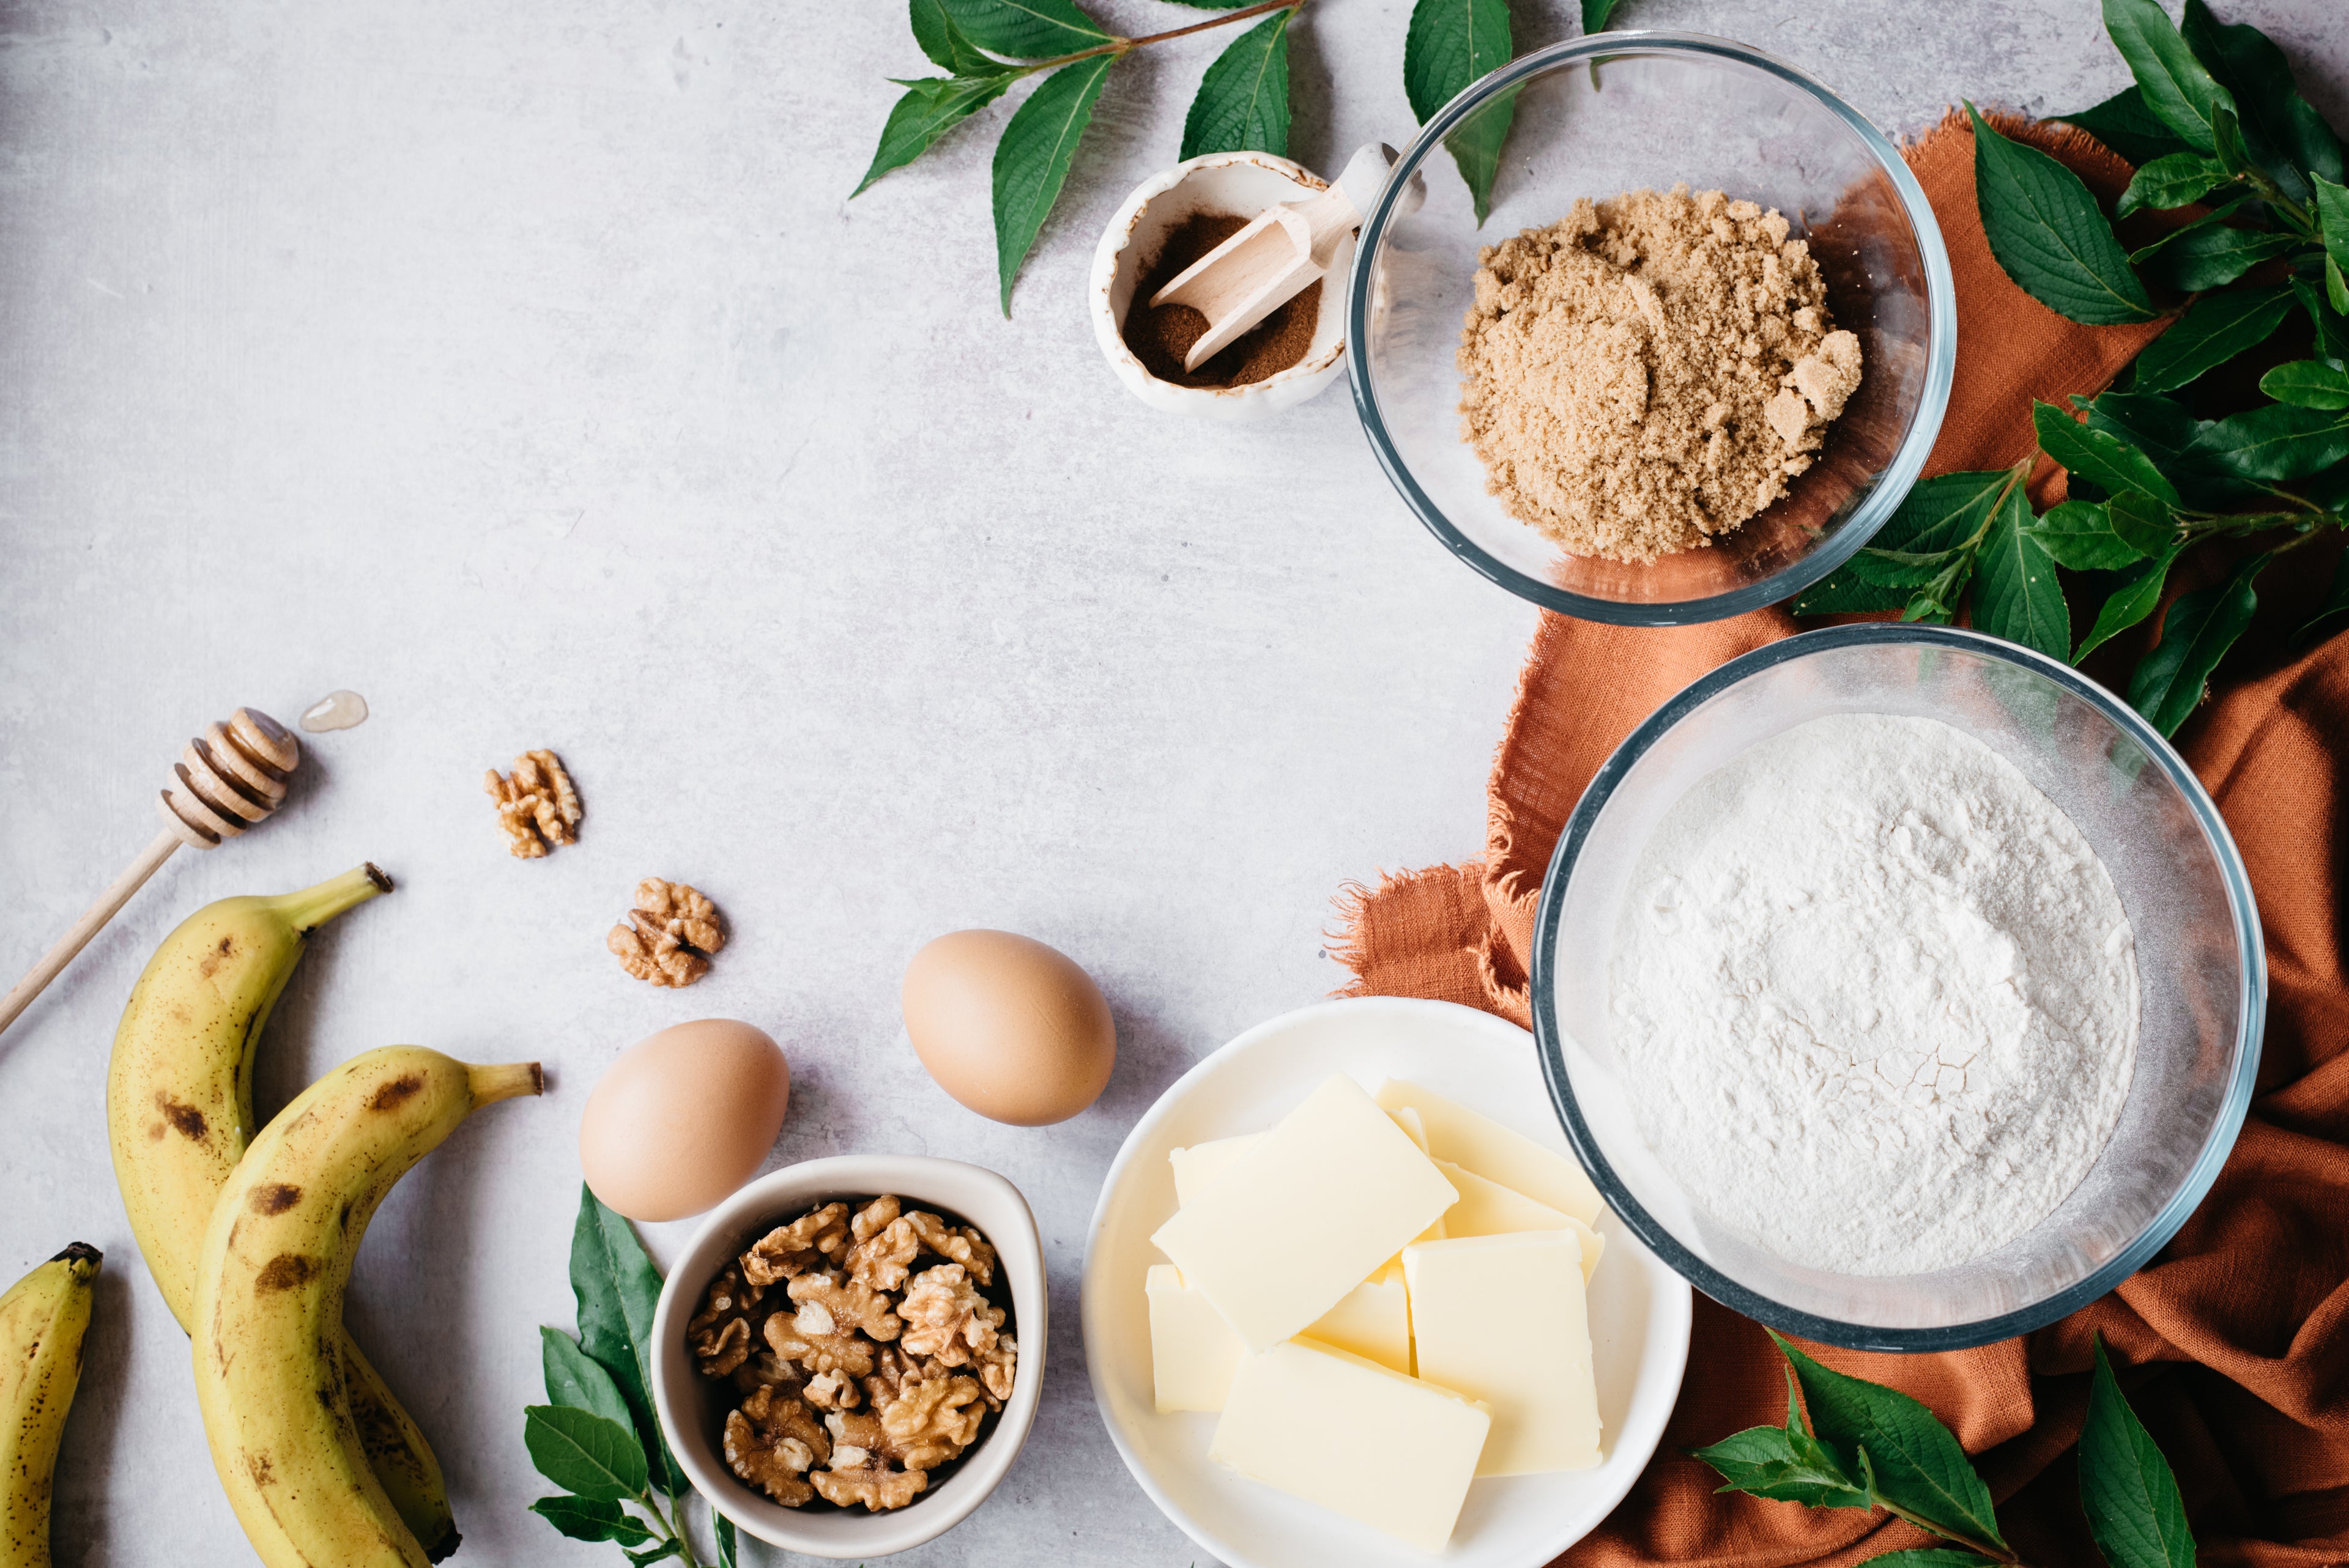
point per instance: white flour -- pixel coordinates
(1876, 996)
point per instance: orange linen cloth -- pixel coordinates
(2232, 1339)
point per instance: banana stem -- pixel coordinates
(505, 1082)
(314, 906)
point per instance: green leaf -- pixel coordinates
(1032, 161)
(932, 107)
(2333, 217)
(1026, 29)
(2049, 236)
(2104, 459)
(1212, 4)
(1894, 568)
(2016, 595)
(2331, 614)
(2177, 180)
(1844, 591)
(582, 1518)
(2336, 286)
(1789, 1466)
(2228, 147)
(2127, 1490)
(1918, 1469)
(2123, 123)
(728, 1553)
(2332, 326)
(617, 1288)
(2179, 91)
(2195, 635)
(1927, 1557)
(2314, 143)
(1450, 45)
(2214, 329)
(672, 1547)
(1595, 14)
(577, 1379)
(2311, 383)
(2277, 441)
(2286, 141)
(2210, 255)
(949, 47)
(599, 1459)
(1242, 100)
(1937, 601)
(1942, 512)
(2136, 596)
(2079, 534)
(2142, 522)
(2166, 432)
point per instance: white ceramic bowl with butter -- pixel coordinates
(1242, 184)
(692, 1408)
(1640, 1309)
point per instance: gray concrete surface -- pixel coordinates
(525, 368)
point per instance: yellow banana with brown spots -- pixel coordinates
(42, 1320)
(179, 1111)
(277, 1256)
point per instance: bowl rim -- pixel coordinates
(1899, 474)
(2250, 997)
(951, 1183)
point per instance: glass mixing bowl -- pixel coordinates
(1596, 117)
(2201, 975)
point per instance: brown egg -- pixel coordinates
(684, 1117)
(1010, 1027)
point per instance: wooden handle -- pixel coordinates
(117, 894)
(229, 778)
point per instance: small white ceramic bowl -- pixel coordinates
(692, 1408)
(1243, 184)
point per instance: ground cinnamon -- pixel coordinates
(1160, 337)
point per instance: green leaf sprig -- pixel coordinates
(596, 1437)
(1870, 1447)
(1242, 102)
(2214, 119)
(1449, 46)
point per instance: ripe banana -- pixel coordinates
(277, 1256)
(179, 1111)
(42, 1320)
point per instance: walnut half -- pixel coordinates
(537, 807)
(772, 1442)
(667, 937)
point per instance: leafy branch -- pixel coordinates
(2214, 119)
(597, 1436)
(986, 46)
(1870, 1447)
(1242, 102)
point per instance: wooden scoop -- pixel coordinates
(229, 778)
(1283, 249)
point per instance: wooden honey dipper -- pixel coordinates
(230, 777)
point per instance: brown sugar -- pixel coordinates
(1647, 373)
(1161, 337)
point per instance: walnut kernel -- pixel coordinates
(537, 806)
(773, 1441)
(813, 1241)
(667, 936)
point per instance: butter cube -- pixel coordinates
(1393, 1452)
(1304, 1215)
(1372, 1320)
(1493, 1151)
(1193, 1351)
(1503, 1320)
(1201, 1163)
(1488, 1209)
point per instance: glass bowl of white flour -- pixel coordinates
(1900, 986)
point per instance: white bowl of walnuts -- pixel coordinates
(849, 1353)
